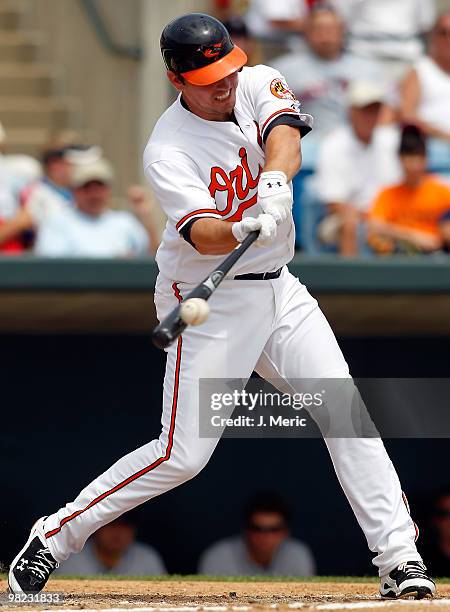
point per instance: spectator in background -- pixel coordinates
(407, 216)
(42, 198)
(113, 549)
(425, 92)
(319, 76)
(264, 548)
(24, 168)
(387, 31)
(281, 20)
(9, 188)
(355, 162)
(239, 33)
(90, 228)
(437, 542)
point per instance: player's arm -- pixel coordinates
(283, 154)
(216, 237)
(212, 237)
(281, 124)
(189, 205)
(283, 151)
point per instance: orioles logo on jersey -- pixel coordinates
(237, 185)
(212, 51)
(280, 89)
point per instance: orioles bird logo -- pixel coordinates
(212, 51)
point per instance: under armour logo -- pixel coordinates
(23, 564)
(270, 185)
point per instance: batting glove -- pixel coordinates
(264, 223)
(274, 195)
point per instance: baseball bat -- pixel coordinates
(172, 326)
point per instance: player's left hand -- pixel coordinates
(274, 195)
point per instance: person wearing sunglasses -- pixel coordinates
(264, 546)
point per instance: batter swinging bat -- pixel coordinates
(168, 330)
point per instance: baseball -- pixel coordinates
(194, 311)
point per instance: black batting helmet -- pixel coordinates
(199, 48)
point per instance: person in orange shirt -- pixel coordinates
(410, 216)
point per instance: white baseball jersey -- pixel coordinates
(199, 168)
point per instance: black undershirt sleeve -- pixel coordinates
(291, 120)
(185, 231)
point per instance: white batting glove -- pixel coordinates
(274, 195)
(264, 223)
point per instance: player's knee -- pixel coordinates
(189, 465)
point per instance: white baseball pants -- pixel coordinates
(276, 328)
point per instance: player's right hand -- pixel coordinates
(266, 225)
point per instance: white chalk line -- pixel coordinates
(293, 606)
(383, 604)
(161, 609)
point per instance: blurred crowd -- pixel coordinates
(375, 75)
(263, 547)
(375, 178)
(62, 205)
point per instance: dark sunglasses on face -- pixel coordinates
(266, 528)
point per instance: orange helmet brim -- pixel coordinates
(217, 70)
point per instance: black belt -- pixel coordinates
(259, 276)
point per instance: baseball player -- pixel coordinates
(221, 160)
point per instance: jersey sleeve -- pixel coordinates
(275, 103)
(182, 194)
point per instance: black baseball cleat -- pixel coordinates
(32, 567)
(407, 581)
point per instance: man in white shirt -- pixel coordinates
(16, 173)
(91, 229)
(387, 31)
(42, 198)
(264, 549)
(269, 19)
(354, 162)
(320, 75)
(425, 94)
